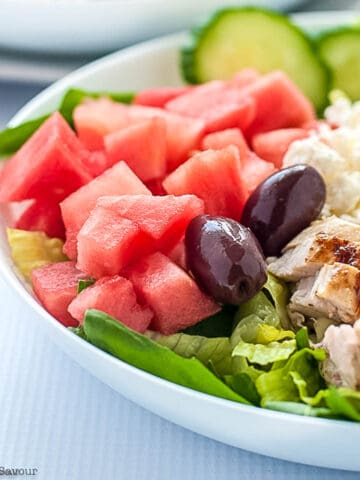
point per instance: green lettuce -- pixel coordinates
(115, 338)
(212, 352)
(265, 354)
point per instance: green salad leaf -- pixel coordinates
(12, 138)
(265, 354)
(218, 325)
(282, 384)
(214, 351)
(279, 294)
(84, 284)
(115, 338)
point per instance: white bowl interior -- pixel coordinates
(307, 440)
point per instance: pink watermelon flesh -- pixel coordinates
(178, 255)
(182, 134)
(108, 242)
(43, 215)
(216, 103)
(171, 293)
(55, 285)
(94, 119)
(76, 208)
(142, 146)
(116, 297)
(215, 177)
(97, 162)
(51, 161)
(272, 146)
(224, 138)
(97, 118)
(245, 77)
(158, 97)
(164, 219)
(255, 170)
(279, 104)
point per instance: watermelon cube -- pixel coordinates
(108, 242)
(55, 285)
(142, 146)
(218, 104)
(173, 296)
(224, 138)
(97, 162)
(158, 97)
(182, 134)
(244, 77)
(76, 208)
(116, 297)
(43, 215)
(279, 104)
(51, 161)
(272, 146)
(215, 177)
(255, 170)
(95, 118)
(164, 219)
(178, 255)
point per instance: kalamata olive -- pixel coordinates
(225, 258)
(283, 205)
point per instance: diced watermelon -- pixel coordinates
(158, 97)
(171, 293)
(182, 134)
(254, 170)
(245, 77)
(215, 176)
(272, 146)
(108, 242)
(156, 187)
(43, 215)
(95, 118)
(224, 138)
(217, 104)
(97, 162)
(51, 161)
(76, 208)
(279, 104)
(116, 297)
(178, 255)
(164, 219)
(142, 146)
(55, 285)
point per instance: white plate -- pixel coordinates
(91, 26)
(313, 441)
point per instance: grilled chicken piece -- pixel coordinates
(342, 343)
(334, 293)
(329, 241)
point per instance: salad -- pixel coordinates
(208, 234)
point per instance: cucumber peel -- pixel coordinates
(236, 38)
(340, 50)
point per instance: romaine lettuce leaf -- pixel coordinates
(33, 249)
(214, 351)
(265, 354)
(301, 371)
(279, 294)
(115, 338)
(218, 325)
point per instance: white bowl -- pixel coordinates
(74, 26)
(308, 440)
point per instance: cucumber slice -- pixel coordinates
(237, 38)
(340, 49)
